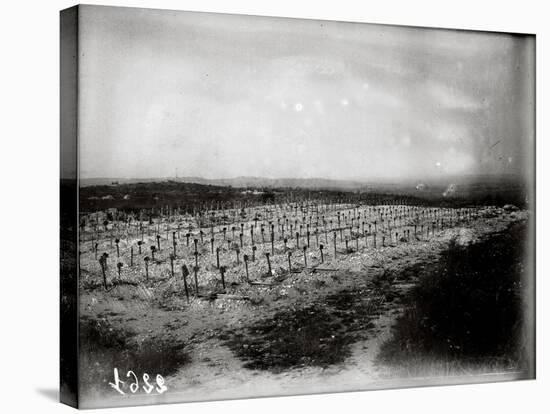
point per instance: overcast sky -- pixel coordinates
(221, 96)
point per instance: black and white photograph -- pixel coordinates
(257, 206)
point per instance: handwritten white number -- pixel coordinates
(148, 387)
(160, 382)
(117, 383)
(135, 385)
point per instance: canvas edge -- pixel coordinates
(68, 123)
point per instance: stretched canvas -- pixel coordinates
(257, 206)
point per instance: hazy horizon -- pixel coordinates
(345, 179)
(225, 96)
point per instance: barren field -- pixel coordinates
(298, 297)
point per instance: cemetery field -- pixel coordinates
(251, 295)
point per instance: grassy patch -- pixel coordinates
(103, 348)
(292, 338)
(319, 334)
(465, 314)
